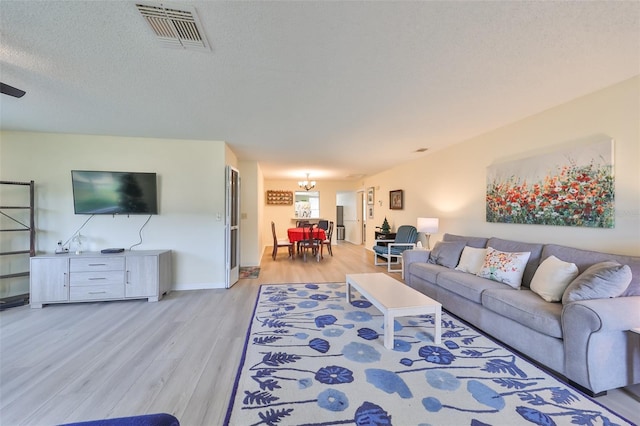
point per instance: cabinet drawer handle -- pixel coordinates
(97, 292)
(97, 264)
(98, 278)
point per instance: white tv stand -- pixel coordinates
(93, 276)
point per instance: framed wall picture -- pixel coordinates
(396, 199)
(370, 210)
(370, 196)
(568, 186)
(280, 197)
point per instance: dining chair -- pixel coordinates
(280, 243)
(323, 224)
(327, 240)
(301, 224)
(310, 242)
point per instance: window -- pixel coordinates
(307, 204)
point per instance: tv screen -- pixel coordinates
(96, 192)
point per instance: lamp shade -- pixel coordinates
(307, 184)
(428, 225)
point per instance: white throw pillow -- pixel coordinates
(471, 259)
(552, 278)
(504, 267)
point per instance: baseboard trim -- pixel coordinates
(197, 286)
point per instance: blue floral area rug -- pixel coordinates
(313, 359)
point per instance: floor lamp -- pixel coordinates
(428, 226)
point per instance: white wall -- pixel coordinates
(191, 195)
(450, 183)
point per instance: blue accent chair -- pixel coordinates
(406, 237)
(160, 419)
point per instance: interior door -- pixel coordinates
(362, 216)
(232, 226)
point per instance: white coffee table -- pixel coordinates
(394, 299)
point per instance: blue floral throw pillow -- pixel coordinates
(504, 267)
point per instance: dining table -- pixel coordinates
(298, 234)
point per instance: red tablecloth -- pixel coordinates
(297, 234)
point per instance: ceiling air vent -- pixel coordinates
(179, 28)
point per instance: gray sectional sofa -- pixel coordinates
(586, 341)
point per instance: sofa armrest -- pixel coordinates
(411, 245)
(617, 314)
(412, 256)
(599, 352)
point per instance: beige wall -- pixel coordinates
(450, 183)
(283, 216)
(251, 213)
(191, 195)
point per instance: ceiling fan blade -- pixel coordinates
(11, 91)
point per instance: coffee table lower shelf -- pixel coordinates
(394, 299)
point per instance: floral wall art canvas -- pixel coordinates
(569, 187)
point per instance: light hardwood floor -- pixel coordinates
(83, 361)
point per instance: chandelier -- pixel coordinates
(307, 184)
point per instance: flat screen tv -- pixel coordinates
(96, 192)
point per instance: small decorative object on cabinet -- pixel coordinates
(385, 228)
(17, 218)
(284, 198)
(92, 276)
(382, 238)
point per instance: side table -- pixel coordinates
(383, 239)
(388, 236)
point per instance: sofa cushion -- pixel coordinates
(552, 278)
(504, 267)
(525, 307)
(478, 242)
(426, 271)
(585, 258)
(446, 253)
(518, 246)
(600, 281)
(471, 259)
(465, 285)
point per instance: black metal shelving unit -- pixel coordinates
(18, 225)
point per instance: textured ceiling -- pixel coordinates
(335, 89)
